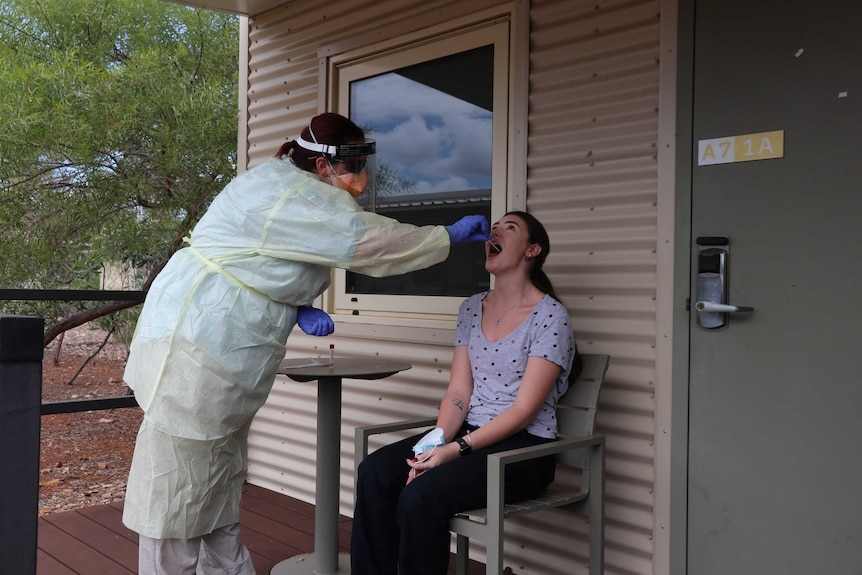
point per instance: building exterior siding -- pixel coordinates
(592, 179)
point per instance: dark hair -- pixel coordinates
(538, 235)
(327, 128)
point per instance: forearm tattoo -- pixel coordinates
(459, 403)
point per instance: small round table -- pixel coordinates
(326, 559)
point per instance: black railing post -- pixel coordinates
(20, 425)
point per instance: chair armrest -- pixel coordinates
(369, 430)
(497, 463)
(362, 433)
(503, 458)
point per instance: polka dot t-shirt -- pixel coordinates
(499, 366)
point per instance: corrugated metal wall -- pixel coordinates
(592, 179)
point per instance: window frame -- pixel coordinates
(440, 41)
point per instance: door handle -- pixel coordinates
(711, 307)
(712, 287)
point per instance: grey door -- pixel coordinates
(775, 436)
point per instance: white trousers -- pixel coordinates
(218, 553)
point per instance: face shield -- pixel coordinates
(354, 165)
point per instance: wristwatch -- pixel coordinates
(465, 447)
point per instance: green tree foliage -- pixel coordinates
(118, 125)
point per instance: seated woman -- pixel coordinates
(514, 351)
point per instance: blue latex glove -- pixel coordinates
(314, 321)
(469, 229)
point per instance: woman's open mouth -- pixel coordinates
(495, 246)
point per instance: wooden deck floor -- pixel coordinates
(94, 541)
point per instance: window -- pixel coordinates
(439, 112)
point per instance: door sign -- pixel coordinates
(745, 148)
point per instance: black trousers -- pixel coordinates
(403, 529)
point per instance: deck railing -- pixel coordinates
(21, 408)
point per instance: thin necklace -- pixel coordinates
(505, 313)
(497, 321)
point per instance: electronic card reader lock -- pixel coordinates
(712, 307)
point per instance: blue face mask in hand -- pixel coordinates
(429, 441)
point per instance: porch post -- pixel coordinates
(20, 425)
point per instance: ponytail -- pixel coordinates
(538, 235)
(284, 149)
(540, 279)
(301, 158)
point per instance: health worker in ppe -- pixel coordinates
(215, 322)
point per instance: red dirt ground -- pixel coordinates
(85, 456)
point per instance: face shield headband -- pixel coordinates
(340, 152)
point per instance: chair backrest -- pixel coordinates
(576, 410)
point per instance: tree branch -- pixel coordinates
(90, 358)
(83, 317)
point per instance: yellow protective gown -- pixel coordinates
(214, 326)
